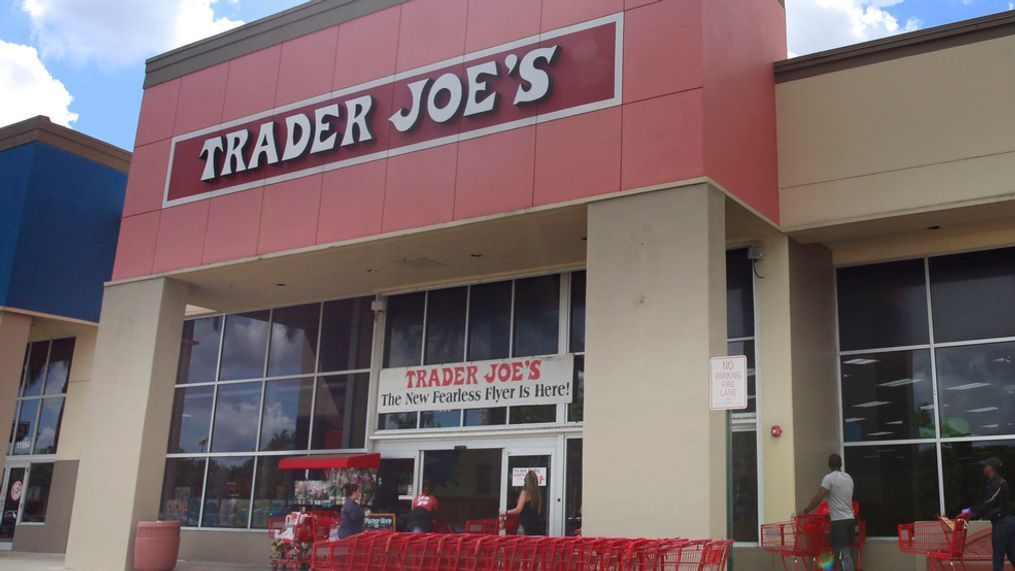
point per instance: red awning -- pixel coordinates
(323, 462)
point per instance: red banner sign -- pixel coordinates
(557, 74)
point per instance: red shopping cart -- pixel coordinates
(939, 541)
(803, 541)
(293, 537)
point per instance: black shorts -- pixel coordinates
(841, 532)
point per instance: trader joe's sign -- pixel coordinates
(556, 74)
(480, 384)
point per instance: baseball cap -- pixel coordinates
(993, 462)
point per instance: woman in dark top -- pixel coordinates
(530, 506)
(352, 513)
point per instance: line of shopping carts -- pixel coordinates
(942, 541)
(384, 551)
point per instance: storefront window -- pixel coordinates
(291, 381)
(227, 491)
(927, 363)
(743, 526)
(38, 410)
(573, 488)
(973, 295)
(243, 347)
(963, 475)
(537, 316)
(181, 490)
(488, 321)
(294, 340)
(977, 389)
(882, 305)
(285, 418)
(894, 484)
(36, 494)
(199, 351)
(887, 396)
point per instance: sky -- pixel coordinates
(81, 62)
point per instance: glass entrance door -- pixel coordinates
(14, 489)
(517, 465)
(464, 481)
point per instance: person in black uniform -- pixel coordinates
(530, 506)
(997, 508)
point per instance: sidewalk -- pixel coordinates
(13, 561)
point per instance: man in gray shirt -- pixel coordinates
(837, 489)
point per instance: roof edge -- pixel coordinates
(895, 47)
(41, 129)
(297, 21)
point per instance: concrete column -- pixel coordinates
(655, 456)
(796, 364)
(127, 421)
(14, 329)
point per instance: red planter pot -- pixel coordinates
(156, 545)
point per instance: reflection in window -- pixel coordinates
(35, 376)
(181, 490)
(397, 421)
(533, 414)
(191, 420)
(403, 338)
(36, 494)
(24, 430)
(486, 416)
(48, 432)
(294, 340)
(882, 305)
(236, 417)
(58, 369)
(243, 346)
(963, 475)
(537, 316)
(739, 295)
(887, 396)
(745, 485)
(440, 419)
(977, 389)
(227, 492)
(347, 332)
(340, 420)
(746, 348)
(973, 295)
(894, 484)
(273, 492)
(490, 321)
(576, 410)
(445, 326)
(285, 422)
(199, 350)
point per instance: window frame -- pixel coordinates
(256, 453)
(9, 454)
(561, 420)
(932, 346)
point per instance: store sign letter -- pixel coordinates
(480, 384)
(558, 74)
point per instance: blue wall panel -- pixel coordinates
(68, 236)
(15, 169)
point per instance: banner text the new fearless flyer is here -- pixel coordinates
(479, 384)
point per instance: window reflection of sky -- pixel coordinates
(885, 396)
(236, 417)
(244, 346)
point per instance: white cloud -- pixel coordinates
(29, 89)
(116, 33)
(816, 25)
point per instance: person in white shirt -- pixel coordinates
(837, 489)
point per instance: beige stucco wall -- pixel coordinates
(72, 427)
(14, 332)
(654, 455)
(924, 132)
(51, 537)
(126, 421)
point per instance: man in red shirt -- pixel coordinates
(423, 509)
